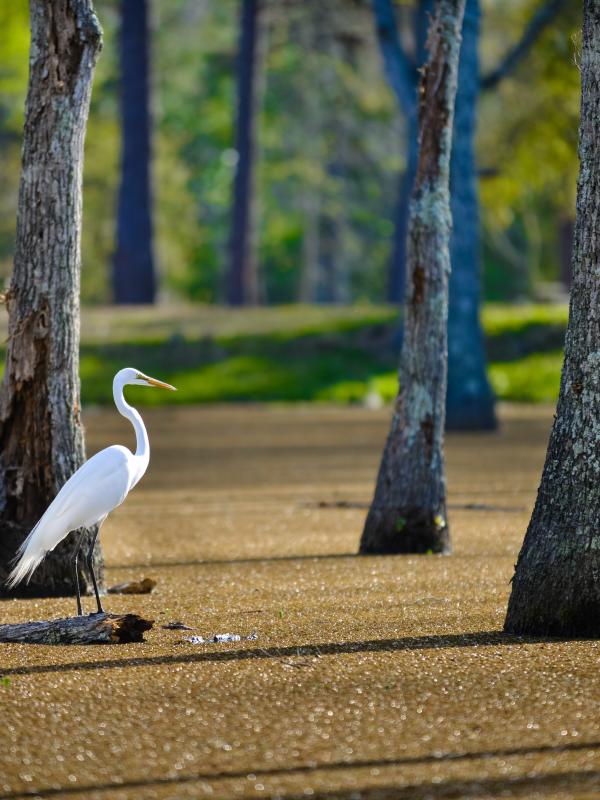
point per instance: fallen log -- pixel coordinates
(91, 629)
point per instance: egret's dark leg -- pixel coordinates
(90, 564)
(76, 572)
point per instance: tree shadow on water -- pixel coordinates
(407, 643)
(522, 786)
(516, 786)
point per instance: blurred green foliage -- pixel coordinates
(331, 147)
(300, 353)
(528, 148)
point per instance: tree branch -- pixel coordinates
(401, 74)
(538, 22)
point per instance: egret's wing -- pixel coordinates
(98, 486)
(89, 495)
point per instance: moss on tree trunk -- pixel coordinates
(556, 586)
(41, 437)
(408, 512)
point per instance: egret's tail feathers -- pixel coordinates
(28, 558)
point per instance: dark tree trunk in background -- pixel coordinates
(556, 586)
(134, 271)
(41, 438)
(470, 400)
(242, 284)
(397, 262)
(402, 76)
(408, 512)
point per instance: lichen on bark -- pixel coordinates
(408, 511)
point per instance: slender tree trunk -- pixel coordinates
(556, 586)
(242, 285)
(41, 437)
(408, 512)
(470, 400)
(134, 273)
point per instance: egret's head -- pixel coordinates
(129, 375)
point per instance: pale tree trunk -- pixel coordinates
(134, 270)
(242, 283)
(556, 586)
(470, 403)
(41, 437)
(408, 512)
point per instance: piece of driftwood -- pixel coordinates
(145, 586)
(91, 629)
(176, 626)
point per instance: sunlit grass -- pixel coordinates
(533, 379)
(299, 353)
(501, 319)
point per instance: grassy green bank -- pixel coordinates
(300, 353)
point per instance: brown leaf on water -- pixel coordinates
(145, 586)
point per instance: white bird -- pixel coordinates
(91, 493)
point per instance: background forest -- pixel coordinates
(331, 149)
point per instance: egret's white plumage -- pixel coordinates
(91, 493)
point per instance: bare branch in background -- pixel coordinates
(537, 24)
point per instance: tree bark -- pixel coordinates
(470, 400)
(408, 512)
(556, 585)
(134, 270)
(242, 286)
(41, 437)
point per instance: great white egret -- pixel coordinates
(91, 493)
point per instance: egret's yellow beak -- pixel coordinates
(160, 384)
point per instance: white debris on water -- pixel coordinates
(220, 638)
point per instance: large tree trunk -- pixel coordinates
(41, 438)
(134, 273)
(556, 586)
(242, 287)
(470, 400)
(408, 512)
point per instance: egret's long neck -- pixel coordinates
(141, 436)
